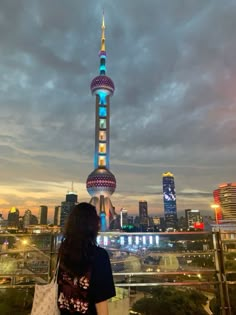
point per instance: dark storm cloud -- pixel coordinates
(173, 64)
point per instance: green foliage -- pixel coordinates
(215, 303)
(214, 306)
(16, 301)
(171, 301)
(230, 256)
(230, 265)
(230, 262)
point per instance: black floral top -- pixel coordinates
(73, 293)
(79, 295)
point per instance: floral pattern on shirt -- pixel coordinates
(73, 292)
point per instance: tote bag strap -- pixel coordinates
(54, 279)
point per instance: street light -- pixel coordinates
(24, 242)
(215, 207)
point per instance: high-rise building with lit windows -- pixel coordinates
(193, 219)
(227, 199)
(217, 207)
(101, 183)
(169, 199)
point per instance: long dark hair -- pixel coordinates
(77, 247)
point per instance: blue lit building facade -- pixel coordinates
(169, 199)
(101, 183)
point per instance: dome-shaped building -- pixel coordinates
(101, 182)
(102, 83)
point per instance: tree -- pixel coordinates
(16, 301)
(215, 303)
(171, 301)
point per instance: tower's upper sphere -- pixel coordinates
(104, 83)
(101, 182)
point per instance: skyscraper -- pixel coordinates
(43, 215)
(143, 214)
(193, 219)
(227, 199)
(67, 206)
(217, 206)
(123, 217)
(27, 218)
(169, 199)
(143, 210)
(57, 215)
(13, 218)
(101, 183)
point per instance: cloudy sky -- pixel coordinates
(173, 64)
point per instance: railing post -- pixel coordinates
(225, 308)
(52, 248)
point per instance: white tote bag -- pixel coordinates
(45, 297)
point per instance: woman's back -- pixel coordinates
(85, 276)
(81, 294)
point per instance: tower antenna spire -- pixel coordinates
(72, 186)
(103, 45)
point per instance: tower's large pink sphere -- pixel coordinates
(102, 82)
(101, 182)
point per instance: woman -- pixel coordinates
(85, 277)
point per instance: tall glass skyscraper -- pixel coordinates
(169, 199)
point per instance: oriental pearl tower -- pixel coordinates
(101, 183)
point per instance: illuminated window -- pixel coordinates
(101, 161)
(102, 135)
(102, 148)
(102, 111)
(102, 123)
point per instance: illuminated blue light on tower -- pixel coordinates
(102, 111)
(102, 98)
(103, 221)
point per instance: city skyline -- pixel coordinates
(174, 68)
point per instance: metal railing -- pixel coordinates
(204, 261)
